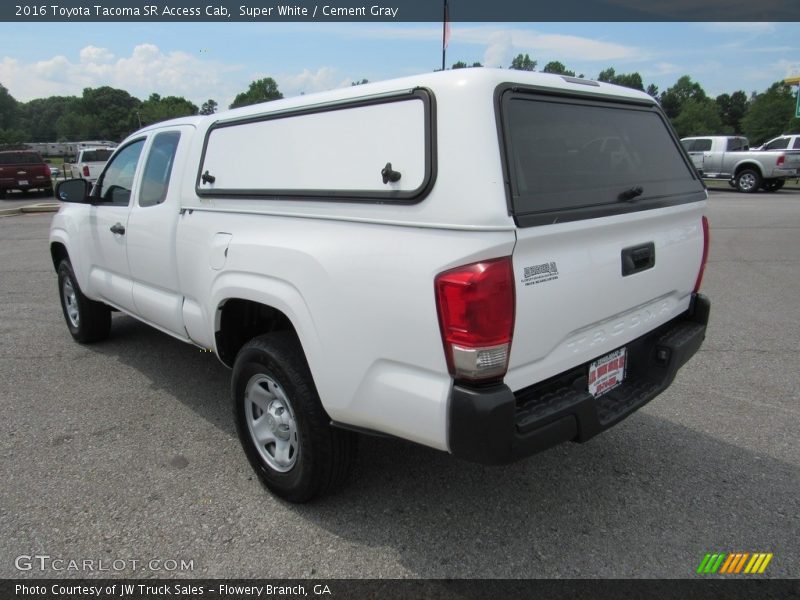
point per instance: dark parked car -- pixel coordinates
(23, 170)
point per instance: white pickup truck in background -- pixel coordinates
(730, 158)
(783, 142)
(486, 262)
(89, 163)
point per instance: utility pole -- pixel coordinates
(445, 31)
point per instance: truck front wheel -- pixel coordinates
(748, 181)
(88, 321)
(282, 425)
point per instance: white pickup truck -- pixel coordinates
(486, 262)
(730, 158)
(90, 162)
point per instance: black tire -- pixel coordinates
(732, 183)
(748, 181)
(293, 415)
(772, 185)
(88, 321)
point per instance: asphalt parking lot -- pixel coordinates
(126, 450)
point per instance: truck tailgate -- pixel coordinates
(609, 227)
(792, 160)
(573, 302)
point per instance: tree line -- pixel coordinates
(107, 113)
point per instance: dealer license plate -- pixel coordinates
(23, 182)
(607, 372)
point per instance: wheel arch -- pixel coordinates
(748, 164)
(58, 252)
(246, 306)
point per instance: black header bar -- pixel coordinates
(276, 11)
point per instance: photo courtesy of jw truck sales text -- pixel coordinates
(486, 262)
(164, 590)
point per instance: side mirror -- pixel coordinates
(73, 190)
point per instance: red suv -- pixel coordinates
(23, 170)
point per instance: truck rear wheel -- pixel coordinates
(283, 428)
(748, 181)
(772, 185)
(88, 321)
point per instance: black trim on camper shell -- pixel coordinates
(505, 91)
(493, 425)
(415, 196)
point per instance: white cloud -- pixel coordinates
(664, 68)
(566, 47)
(502, 42)
(749, 27)
(148, 69)
(499, 51)
(324, 78)
(93, 54)
(790, 68)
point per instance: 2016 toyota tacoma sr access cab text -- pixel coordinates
(486, 262)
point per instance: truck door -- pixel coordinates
(700, 153)
(109, 276)
(152, 229)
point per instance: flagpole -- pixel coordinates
(444, 31)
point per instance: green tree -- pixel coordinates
(732, 109)
(156, 109)
(698, 117)
(75, 125)
(673, 98)
(209, 107)
(39, 117)
(652, 90)
(9, 108)
(770, 114)
(362, 82)
(523, 63)
(261, 90)
(607, 75)
(11, 139)
(630, 80)
(462, 65)
(556, 67)
(112, 112)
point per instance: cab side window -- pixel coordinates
(778, 144)
(737, 144)
(703, 145)
(115, 184)
(158, 168)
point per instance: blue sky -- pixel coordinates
(218, 60)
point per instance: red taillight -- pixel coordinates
(85, 170)
(476, 316)
(706, 241)
(781, 160)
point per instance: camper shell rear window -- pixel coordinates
(98, 155)
(575, 157)
(379, 149)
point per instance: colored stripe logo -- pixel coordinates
(734, 563)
